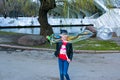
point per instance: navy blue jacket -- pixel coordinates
(69, 49)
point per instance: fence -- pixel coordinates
(76, 25)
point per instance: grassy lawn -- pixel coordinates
(7, 33)
(89, 44)
(95, 44)
(10, 33)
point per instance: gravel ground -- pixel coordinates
(42, 65)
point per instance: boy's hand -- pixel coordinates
(69, 60)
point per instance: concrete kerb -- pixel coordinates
(97, 51)
(46, 49)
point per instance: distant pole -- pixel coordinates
(68, 11)
(61, 24)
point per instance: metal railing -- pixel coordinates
(37, 26)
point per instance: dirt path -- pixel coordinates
(42, 65)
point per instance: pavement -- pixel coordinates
(42, 65)
(27, 63)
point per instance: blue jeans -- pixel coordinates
(63, 68)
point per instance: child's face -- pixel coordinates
(64, 37)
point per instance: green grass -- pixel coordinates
(10, 33)
(95, 44)
(89, 44)
(7, 33)
(46, 45)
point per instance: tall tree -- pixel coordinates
(15, 8)
(46, 5)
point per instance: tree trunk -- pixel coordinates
(45, 28)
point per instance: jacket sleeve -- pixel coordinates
(56, 51)
(71, 51)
